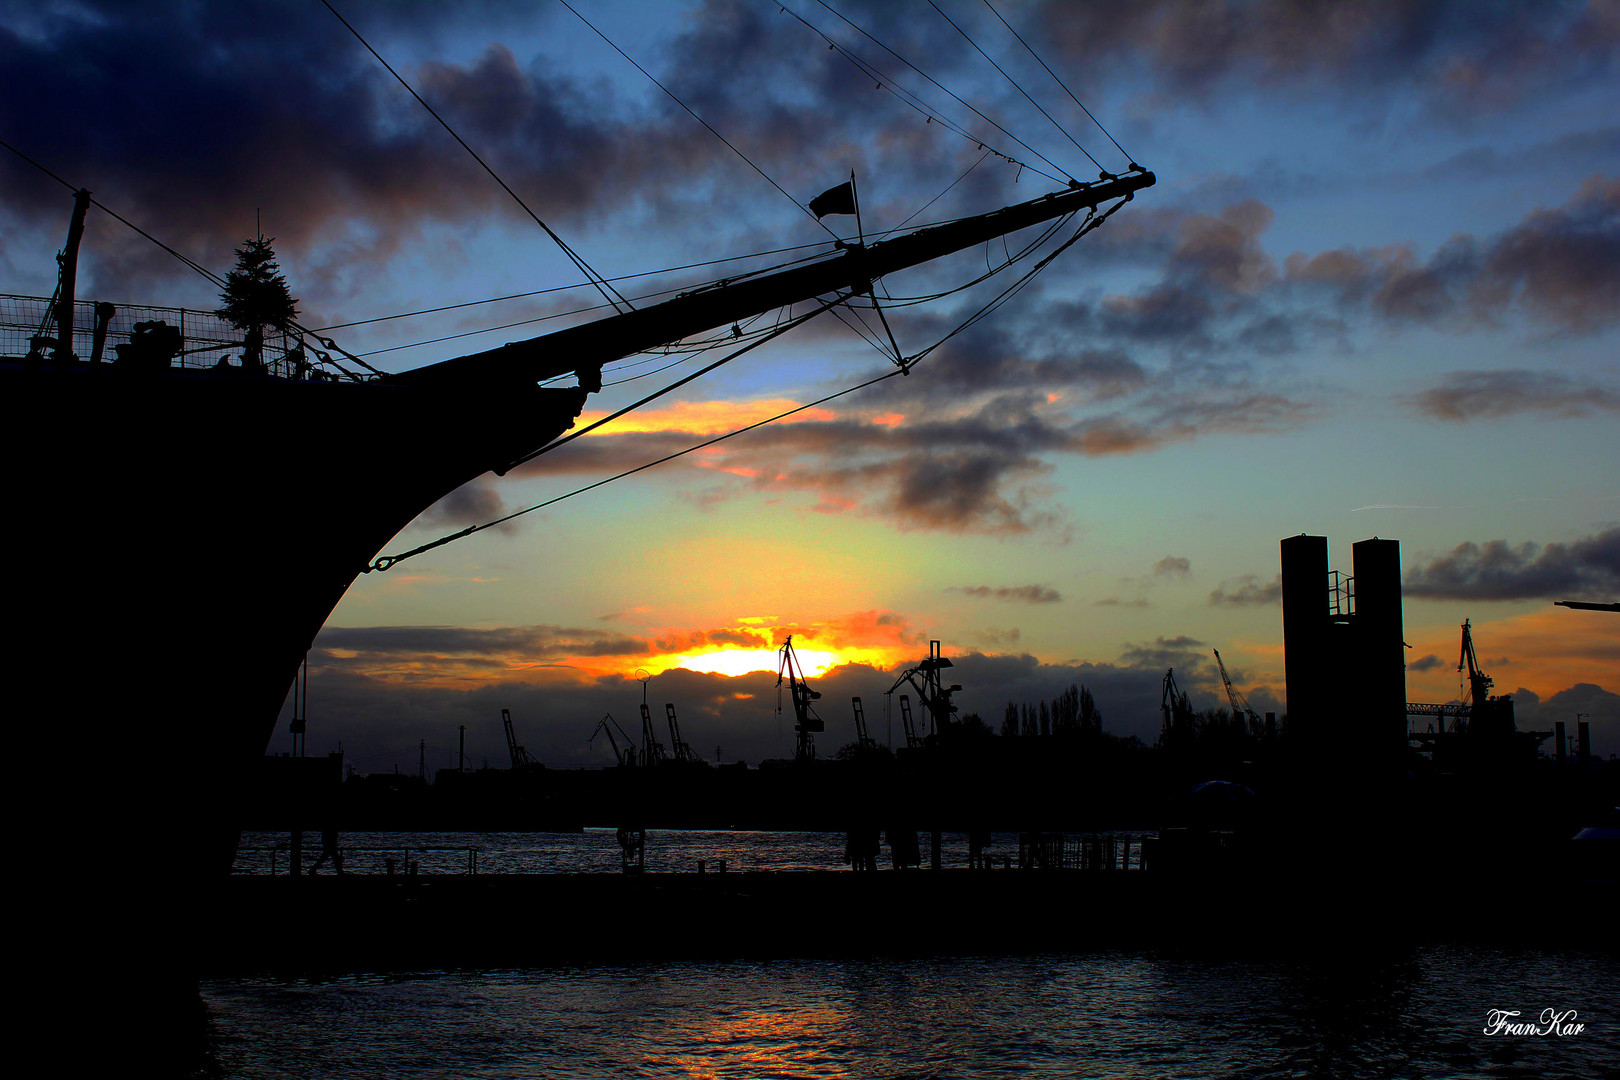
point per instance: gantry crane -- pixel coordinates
(805, 721)
(605, 726)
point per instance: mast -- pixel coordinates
(69, 277)
(586, 347)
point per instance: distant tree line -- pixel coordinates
(1073, 714)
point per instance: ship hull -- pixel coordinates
(177, 540)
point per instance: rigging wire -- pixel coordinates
(775, 332)
(907, 97)
(601, 283)
(938, 197)
(575, 285)
(1062, 84)
(1092, 222)
(1020, 89)
(388, 561)
(699, 119)
(959, 100)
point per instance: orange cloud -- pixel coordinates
(702, 417)
(1543, 651)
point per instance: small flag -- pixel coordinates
(838, 200)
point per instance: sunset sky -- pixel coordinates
(1375, 291)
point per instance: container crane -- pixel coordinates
(605, 726)
(520, 757)
(806, 722)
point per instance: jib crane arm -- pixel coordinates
(627, 756)
(1240, 707)
(586, 347)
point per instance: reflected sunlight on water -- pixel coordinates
(1417, 1013)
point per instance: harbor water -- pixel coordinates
(1417, 1014)
(1233, 1008)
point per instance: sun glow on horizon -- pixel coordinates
(813, 662)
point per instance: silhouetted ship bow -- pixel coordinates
(183, 533)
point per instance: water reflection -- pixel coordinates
(1416, 1013)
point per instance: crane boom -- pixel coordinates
(520, 757)
(586, 347)
(1240, 706)
(862, 739)
(652, 751)
(605, 726)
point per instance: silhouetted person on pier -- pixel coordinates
(329, 850)
(978, 840)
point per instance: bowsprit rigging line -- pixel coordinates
(700, 119)
(913, 101)
(601, 283)
(1065, 178)
(1061, 83)
(821, 245)
(1105, 173)
(387, 561)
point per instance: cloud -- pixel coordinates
(1471, 395)
(1023, 594)
(1447, 58)
(1161, 653)
(1559, 266)
(471, 504)
(1246, 591)
(1172, 566)
(972, 467)
(1588, 568)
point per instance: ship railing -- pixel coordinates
(207, 342)
(406, 861)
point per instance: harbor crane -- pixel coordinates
(805, 721)
(1240, 706)
(1178, 712)
(605, 726)
(652, 751)
(933, 695)
(521, 758)
(913, 742)
(682, 750)
(862, 739)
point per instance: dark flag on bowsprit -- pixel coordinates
(837, 200)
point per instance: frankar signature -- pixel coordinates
(1552, 1022)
